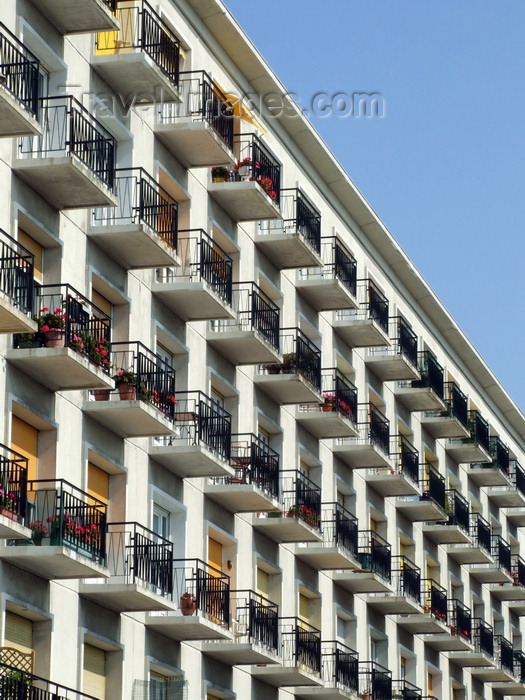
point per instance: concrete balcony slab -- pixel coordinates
(192, 301)
(125, 597)
(244, 201)
(15, 120)
(194, 143)
(79, 16)
(287, 250)
(133, 246)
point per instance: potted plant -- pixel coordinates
(187, 604)
(220, 173)
(289, 362)
(38, 532)
(244, 168)
(7, 502)
(51, 324)
(126, 381)
(15, 683)
(328, 404)
(28, 340)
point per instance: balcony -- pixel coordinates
(512, 493)
(426, 393)
(433, 619)
(298, 378)
(252, 192)
(16, 286)
(141, 59)
(75, 335)
(295, 240)
(497, 471)
(375, 572)
(200, 444)
(482, 638)
(254, 485)
(499, 569)
(141, 231)
(367, 324)
(71, 165)
(475, 448)
(203, 595)
(255, 628)
(405, 691)
(454, 529)
(405, 599)
(333, 285)
(300, 520)
(252, 337)
(453, 421)
(144, 404)
(199, 130)
(338, 548)
(339, 674)
(335, 417)
(514, 591)
(375, 681)
(502, 670)
(17, 684)
(458, 636)
(67, 533)
(19, 70)
(402, 477)
(517, 685)
(300, 649)
(399, 361)
(371, 448)
(13, 495)
(432, 502)
(477, 547)
(140, 565)
(201, 288)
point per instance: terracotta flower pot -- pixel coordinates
(101, 394)
(187, 604)
(328, 407)
(8, 513)
(127, 391)
(54, 338)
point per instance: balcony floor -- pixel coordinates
(445, 534)
(325, 692)
(361, 333)
(516, 516)
(467, 452)
(133, 246)
(59, 369)
(470, 659)
(50, 563)
(284, 676)
(183, 628)
(388, 604)
(242, 347)
(361, 581)
(284, 530)
(12, 529)
(444, 426)
(517, 607)
(241, 498)
(15, 120)
(488, 476)
(325, 557)
(244, 201)
(188, 461)
(79, 16)
(420, 510)
(389, 367)
(325, 424)
(124, 597)
(449, 642)
(507, 591)
(494, 674)
(489, 574)
(238, 653)
(388, 485)
(65, 182)
(12, 320)
(361, 456)
(129, 419)
(468, 553)
(421, 398)
(422, 623)
(192, 301)
(514, 687)
(287, 250)
(506, 497)
(287, 389)
(325, 294)
(195, 144)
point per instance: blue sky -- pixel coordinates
(445, 167)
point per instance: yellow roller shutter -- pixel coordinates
(38, 251)
(18, 633)
(263, 582)
(24, 440)
(215, 554)
(94, 672)
(98, 483)
(102, 303)
(304, 608)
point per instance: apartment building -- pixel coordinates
(245, 452)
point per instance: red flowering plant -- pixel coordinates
(266, 183)
(51, 320)
(38, 529)
(305, 513)
(247, 163)
(8, 498)
(125, 376)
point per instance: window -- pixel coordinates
(304, 608)
(403, 668)
(214, 554)
(24, 440)
(165, 355)
(263, 582)
(217, 397)
(38, 251)
(161, 521)
(94, 672)
(102, 303)
(263, 435)
(98, 483)
(340, 629)
(18, 633)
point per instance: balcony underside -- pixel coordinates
(470, 659)
(284, 676)
(183, 628)
(241, 498)
(134, 247)
(444, 426)
(482, 475)
(517, 607)
(326, 692)
(419, 398)
(78, 16)
(287, 250)
(242, 347)
(516, 516)
(52, 563)
(238, 653)
(466, 452)
(124, 597)
(507, 591)
(129, 419)
(422, 623)
(506, 497)
(193, 301)
(286, 389)
(389, 367)
(59, 369)
(361, 333)
(283, 530)
(244, 201)
(15, 120)
(360, 455)
(387, 484)
(489, 574)
(445, 534)
(448, 642)
(134, 75)
(189, 461)
(419, 510)
(514, 687)
(12, 320)
(194, 143)
(325, 557)
(11, 529)
(468, 553)
(65, 182)
(325, 424)
(493, 674)
(361, 581)
(325, 294)
(388, 604)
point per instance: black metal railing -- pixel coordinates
(456, 402)
(479, 430)
(67, 516)
(375, 554)
(375, 681)
(16, 273)
(300, 356)
(518, 476)
(339, 527)
(459, 619)
(433, 485)
(13, 484)
(431, 372)
(339, 394)
(504, 653)
(70, 130)
(338, 263)
(482, 636)
(300, 644)
(254, 462)
(139, 556)
(204, 586)
(254, 619)
(154, 379)
(457, 509)
(518, 571)
(142, 200)
(20, 685)
(378, 426)
(20, 69)
(519, 666)
(405, 691)
(434, 599)
(199, 420)
(301, 497)
(500, 455)
(406, 457)
(257, 163)
(501, 553)
(300, 216)
(339, 666)
(480, 532)
(404, 340)
(142, 29)
(406, 577)
(376, 304)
